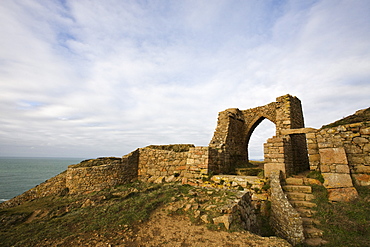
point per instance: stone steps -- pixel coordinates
(297, 188)
(310, 222)
(304, 212)
(312, 232)
(303, 204)
(299, 194)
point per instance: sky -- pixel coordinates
(90, 78)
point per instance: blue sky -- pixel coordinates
(101, 78)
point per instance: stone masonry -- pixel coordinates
(285, 220)
(235, 127)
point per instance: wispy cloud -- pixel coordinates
(91, 78)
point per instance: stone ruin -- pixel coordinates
(284, 152)
(340, 152)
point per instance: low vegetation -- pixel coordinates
(173, 147)
(112, 214)
(344, 223)
(359, 116)
(115, 215)
(316, 175)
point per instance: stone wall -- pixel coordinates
(169, 165)
(285, 220)
(156, 163)
(278, 156)
(342, 154)
(243, 209)
(198, 162)
(98, 174)
(228, 143)
(355, 139)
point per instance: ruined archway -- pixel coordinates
(229, 145)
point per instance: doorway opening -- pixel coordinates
(262, 130)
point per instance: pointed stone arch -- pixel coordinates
(250, 130)
(229, 145)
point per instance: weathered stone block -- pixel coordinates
(362, 179)
(365, 131)
(314, 157)
(296, 181)
(366, 148)
(311, 151)
(360, 140)
(269, 167)
(311, 136)
(325, 168)
(342, 169)
(342, 194)
(352, 149)
(362, 169)
(312, 145)
(367, 159)
(224, 219)
(325, 144)
(333, 156)
(356, 159)
(337, 180)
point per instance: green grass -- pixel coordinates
(65, 217)
(109, 213)
(316, 175)
(344, 223)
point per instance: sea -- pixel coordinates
(18, 175)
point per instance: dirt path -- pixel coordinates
(176, 231)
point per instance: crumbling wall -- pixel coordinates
(228, 144)
(242, 209)
(355, 139)
(98, 174)
(161, 162)
(156, 162)
(234, 128)
(285, 220)
(278, 156)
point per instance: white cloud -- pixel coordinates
(103, 78)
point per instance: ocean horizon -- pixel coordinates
(19, 174)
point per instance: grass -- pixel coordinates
(344, 223)
(316, 175)
(110, 213)
(67, 217)
(361, 116)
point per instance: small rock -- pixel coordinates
(187, 207)
(160, 180)
(234, 184)
(204, 218)
(87, 203)
(210, 207)
(224, 219)
(170, 179)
